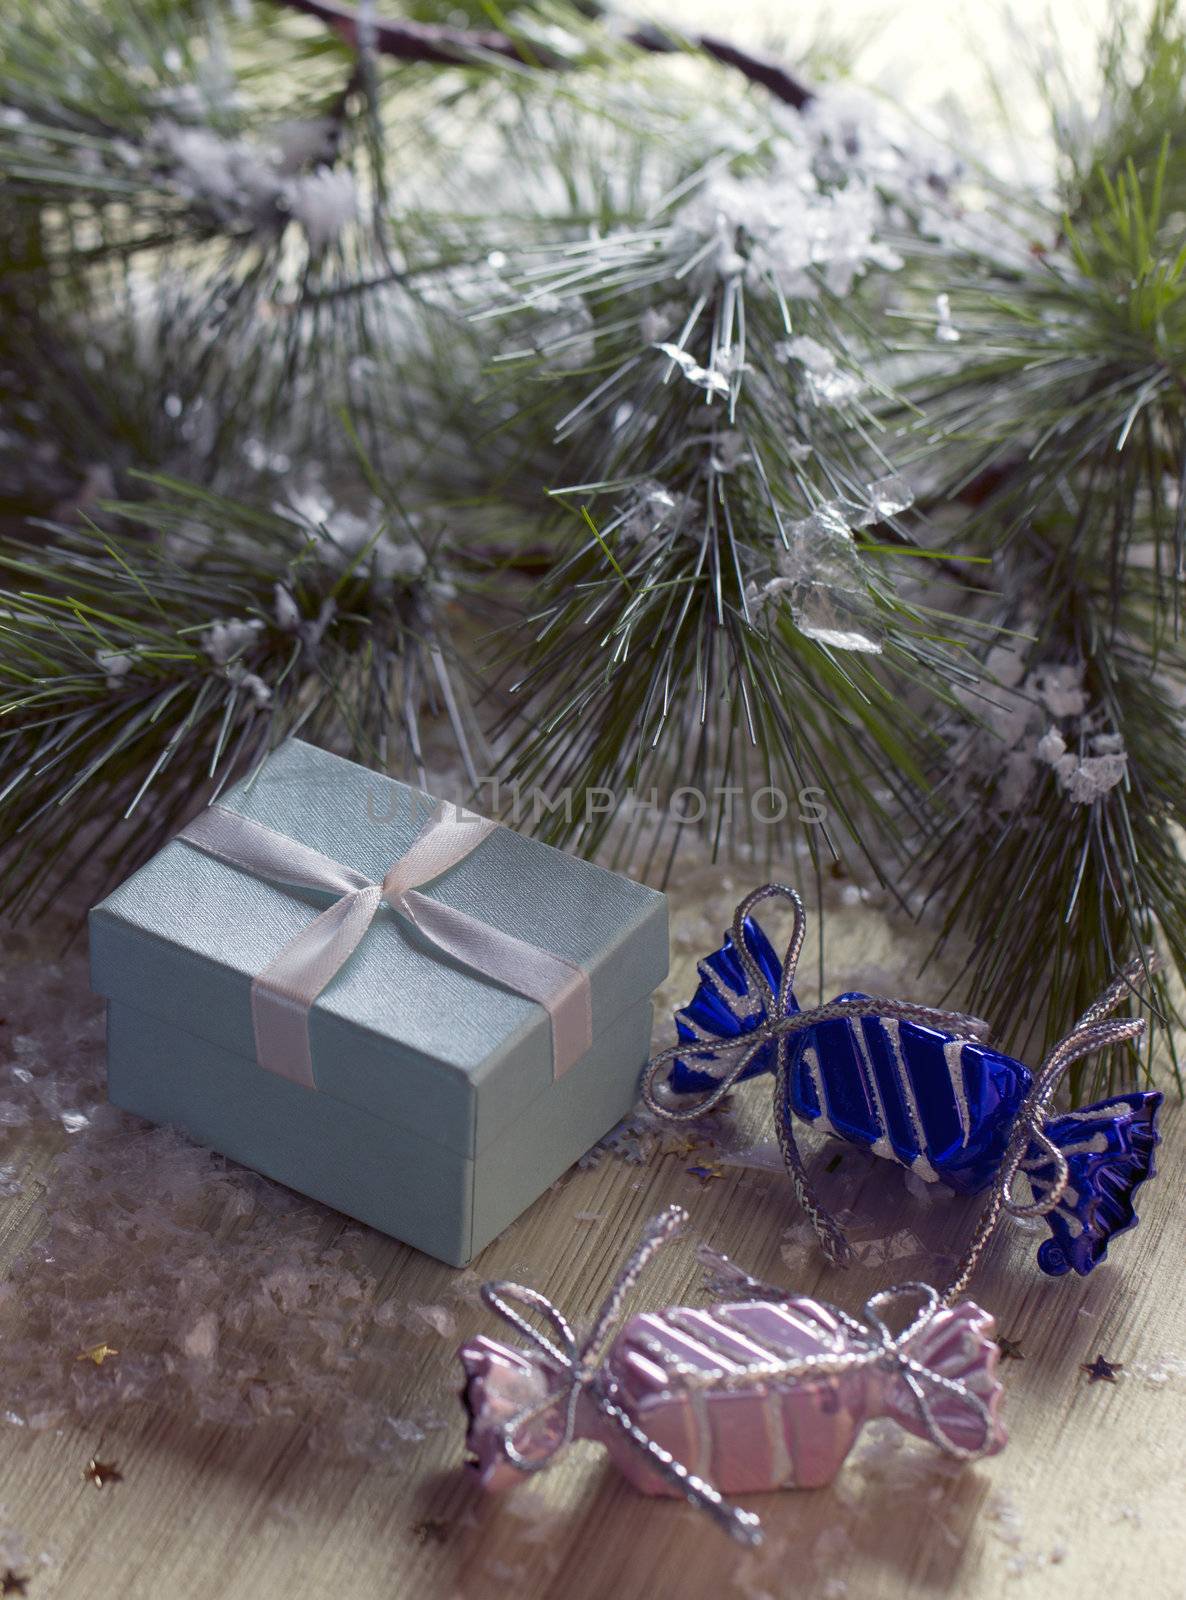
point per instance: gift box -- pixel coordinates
(412, 1014)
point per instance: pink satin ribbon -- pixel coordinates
(283, 994)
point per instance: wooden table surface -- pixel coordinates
(1087, 1498)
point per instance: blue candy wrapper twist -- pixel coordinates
(917, 1086)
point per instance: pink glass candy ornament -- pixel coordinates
(767, 1393)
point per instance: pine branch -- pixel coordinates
(438, 44)
(1061, 400)
(184, 228)
(138, 677)
(737, 612)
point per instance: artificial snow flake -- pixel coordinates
(1085, 778)
(116, 664)
(250, 683)
(1093, 776)
(827, 384)
(1033, 720)
(1061, 690)
(224, 640)
(200, 1340)
(324, 203)
(247, 183)
(654, 323)
(822, 576)
(288, 614)
(855, 133)
(728, 451)
(884, 498)
(224, 643)
(345, 539)
(946, 331)
(235, 177)
(706, 378)
(303, 142)
(309, 630)
(653, 511)
(439, 1318)
(786, 225)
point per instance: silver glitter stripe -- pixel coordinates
(921, 1164)
(741, 1005)
(881, 1144)
(953, 1054)
(810, 1063)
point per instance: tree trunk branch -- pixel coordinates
(444, 46)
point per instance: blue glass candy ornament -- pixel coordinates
(914, 1086)
(1109, 1151)
(726, 1006)
(931, 1101)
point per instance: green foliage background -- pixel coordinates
(469, 359)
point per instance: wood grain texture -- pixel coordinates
(1086, 1498)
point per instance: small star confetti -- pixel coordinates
(12, 1583)
(1101, 1370)
(433, 1530)
(1010, 1348)
(705, 1174)
(102, 1472)
(680, 1145)
(98, 1353)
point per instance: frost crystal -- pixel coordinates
(1020, 737)
(946, 331)
(223, 640)
(709, 379)
(827, 384)
(116, 664)
(887, 497)
(344, 539)
(822, 576)
(1093, 776)
(324, 203)
(258, 185)
(653, 512)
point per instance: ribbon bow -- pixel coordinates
(283, 994)
(891, 1352)
(580, 1372)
